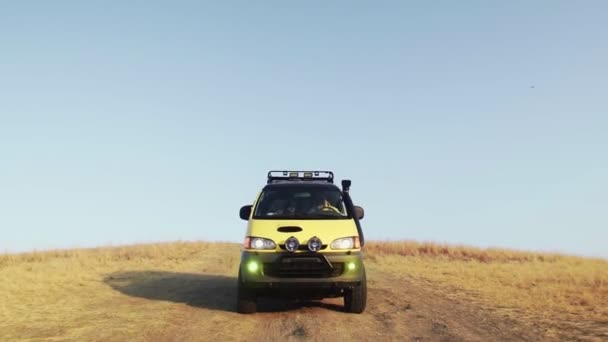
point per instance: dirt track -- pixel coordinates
(187, 292)
(399, 308)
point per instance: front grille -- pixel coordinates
(303, 267)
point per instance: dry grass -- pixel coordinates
(457, 252)
(78, 295)
(567, 293)
(160, 251)
(90, 294)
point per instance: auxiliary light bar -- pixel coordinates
(300, 175)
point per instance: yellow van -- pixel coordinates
(303, 239)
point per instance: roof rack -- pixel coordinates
(274, 176)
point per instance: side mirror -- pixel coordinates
(359, 212)
(245, 212)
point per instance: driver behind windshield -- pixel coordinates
(322, 204)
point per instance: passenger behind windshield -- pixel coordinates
(301, 203)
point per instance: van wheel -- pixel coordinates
(246, 299)
(355, 299)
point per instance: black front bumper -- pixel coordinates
(301, 271)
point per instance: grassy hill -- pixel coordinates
(185, 291)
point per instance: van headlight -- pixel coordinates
(346, 243)
(259, 243)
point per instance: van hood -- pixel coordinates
(303, 230)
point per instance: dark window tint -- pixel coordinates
(312, 202)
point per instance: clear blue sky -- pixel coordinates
(475, 122)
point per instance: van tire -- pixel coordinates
(355, 299)
(246, 299)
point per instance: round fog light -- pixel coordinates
(253, 266)
(314, 244)
(292, 244)
(351, 266)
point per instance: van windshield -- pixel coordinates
(301, 202)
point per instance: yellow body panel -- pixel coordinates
(326, 230)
